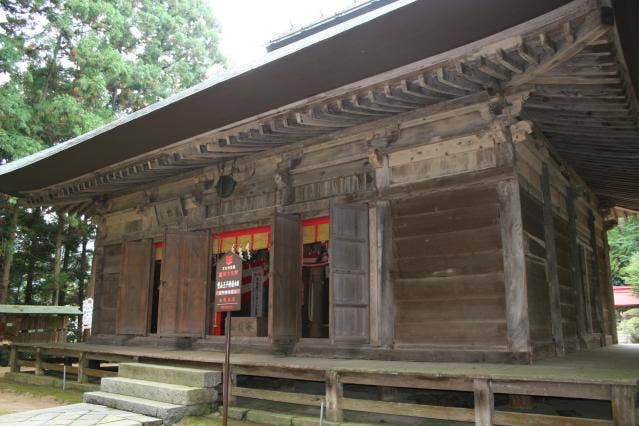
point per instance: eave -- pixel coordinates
(568, 59)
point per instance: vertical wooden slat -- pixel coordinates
(575, 268)
(484, 402)
(623, 405)
(134, 287)
(596, 271)
(349, 280)
(193, 282)
(82, 366)
(514, 266)
(334, 393)
(286, 276)
(551, 264)
(384, 265)
(610, 298)
(38, 362)
(375, 281)
(14, 366)
(182, 301)
(169, 281)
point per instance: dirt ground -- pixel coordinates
(13, 402)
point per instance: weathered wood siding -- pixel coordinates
(449, 284)
(584, 288)
(109, 260)
(461, 262)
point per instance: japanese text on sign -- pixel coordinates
(228, 281)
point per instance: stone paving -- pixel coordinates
(78, 415)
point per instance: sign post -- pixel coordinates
(228, 298)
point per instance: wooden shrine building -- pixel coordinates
(428, 181)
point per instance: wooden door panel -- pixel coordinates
(182, 309)
(286, 277)
(349, 280)
(169, 282)
(191, 306)
(134, 288)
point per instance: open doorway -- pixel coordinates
(155, 288)
(253, 246)
(315, 279)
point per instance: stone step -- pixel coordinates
(170, 413)
(193, 377)
(163, 392)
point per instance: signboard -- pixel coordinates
(87, 313)
(228, 283)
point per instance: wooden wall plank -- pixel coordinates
(551, 264)
(514, 266)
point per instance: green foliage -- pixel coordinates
(624, 246)
(630, 327)
(75, 65)
(68, 396)
(630, 313)
(70, 66)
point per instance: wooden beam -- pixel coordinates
(83, 363)
(513, 418)
(575, 265)
(516, 293)
(596, 272)
(38, 362)
(14, 365)
(624, 406)
(590, 30)
(412, 410)
(552, 274)
(286, 397)
(334, 394)
(484, 402)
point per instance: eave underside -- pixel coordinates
(580, 98)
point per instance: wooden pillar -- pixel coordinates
(83, 363)
(623, 405)
(38, 362)
(14, 364)
(610, 298)
(596, 273)
(484, 402)
(233, 384)
(381, 295)
(551, 264)
(334, 392)
(575, 268)
(512, 236)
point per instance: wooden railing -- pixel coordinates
(483, 412)
(41, 357)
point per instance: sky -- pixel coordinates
(248, 25)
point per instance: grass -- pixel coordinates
(209, 421)
(69, 396)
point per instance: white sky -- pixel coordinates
(247, 25)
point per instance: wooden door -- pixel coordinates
(185, 266)
(286, 277)
(349, 279)
(134, 287)
(194, 278)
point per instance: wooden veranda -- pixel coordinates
(606, 374)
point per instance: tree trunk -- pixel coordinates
(81, 277)
(28, 289)
(8, 255)
(58, 257)
(68, 249)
